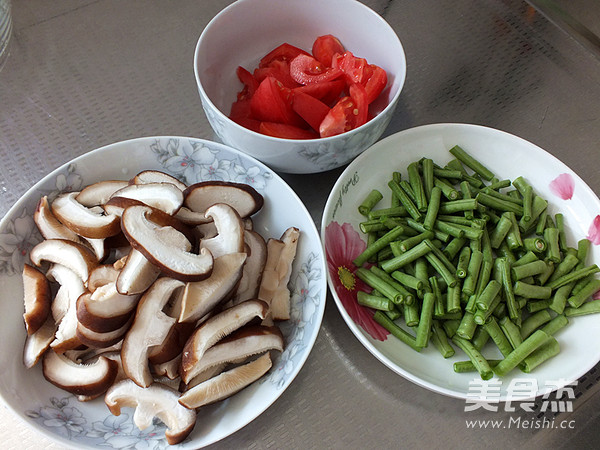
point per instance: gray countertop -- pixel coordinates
(85, 73)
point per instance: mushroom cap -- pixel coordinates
(242, 197)
(49, 225)
(106, 339)
(226, 383)
(98, 314)
(245, 342)
(156, 176)
(153, 401)
(145, 237)
(213, 330)
(165, 197)
(76, 257)
(79, 379)
(83, 220)
(97, 194)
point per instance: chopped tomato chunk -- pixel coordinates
(294, 94)
(310, 109)
(325, 47)
(307, 70)
(285, 131)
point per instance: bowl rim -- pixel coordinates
(321, 263)
(390, 106)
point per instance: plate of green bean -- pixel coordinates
(462, 255)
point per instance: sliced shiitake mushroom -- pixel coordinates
(200, 297)
(76, 257)
(156, 176)
(150, 327)
(137, 274)
(245, 342)
(153, 401)
(213, 330)
(83, 220)
(145, 236)
(230, 231)
(190, 217)
(105, 310)
(107, 339)
(165, 197)
(71, 287)
(37, 298)
(97, 194)
(277, 273)
(101, 275)
(79, 379)
(226, 384)
(37, 343)
(242, 197)
(49, 226)
(253, 268)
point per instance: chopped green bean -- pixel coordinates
(555, 324)
(586, 292)
(480, 363)
(378, 245)
(527, 347)
(369, 202)
(374, 301)
(534, 321)
(425, 321)
(592, 307)
(471, 163)
(396, 331)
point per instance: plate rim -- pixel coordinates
(357, 331)
(313, 231)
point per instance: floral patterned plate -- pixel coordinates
(509, 157)
(85, 425)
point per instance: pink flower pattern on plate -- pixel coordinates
(342, 245)
(594, 231)
(563, 186)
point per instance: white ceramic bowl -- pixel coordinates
(248, 29)
(72, 424)
(509, 157)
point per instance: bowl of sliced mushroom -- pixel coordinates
(142, 296)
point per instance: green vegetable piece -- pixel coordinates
(369, 202)
(527, 347)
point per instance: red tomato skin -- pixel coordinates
(250, 83)
(337, 120)
(307, 70)
(361, 111)
(283, 52)
(376, 83)
(272, 102)
(312, 110)
(327, 91)
(278, 69)
(325, 47)
(285, 131)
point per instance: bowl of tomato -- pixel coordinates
(305, 86)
